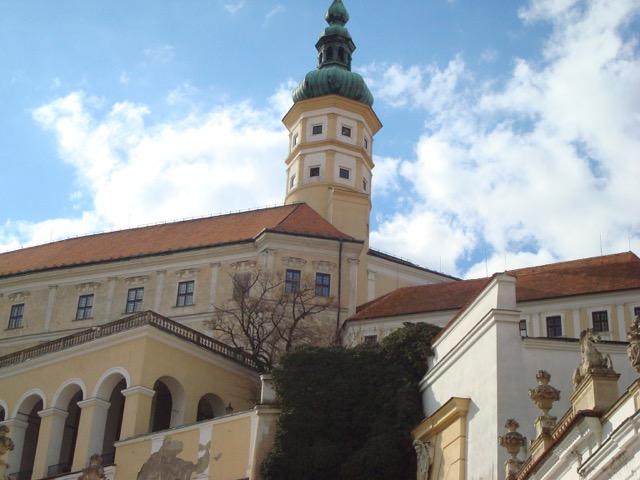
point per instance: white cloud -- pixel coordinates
(489, 55)
(234, 7)
(181, 94)
(273, 12)
(159, 53)
(387, 175)
(545, 164)
(135, 172)
(124, 78)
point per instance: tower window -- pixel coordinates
(323, 284)
(15, 317)
(292, 181)
(554, 326)
(292, 281)
(329, 53)
(341, 54)
(85, 307)
(345, 173)
(134, 300)
(185, 293)
(366, 143)
(346, 131)
(600, 321)
(364, 184)
(523, 328)
(314, 172)
(316, 130)
(295, 140)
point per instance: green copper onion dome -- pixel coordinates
(333, 75)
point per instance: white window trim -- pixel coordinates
(340, 177)
(609, 320)
(563, 326)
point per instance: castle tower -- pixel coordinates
(331, 128)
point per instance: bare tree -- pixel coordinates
(269, 316)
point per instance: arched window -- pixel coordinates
(161, 407)
(330, 53)
(210, 406)
(113, 424)
(29, 413)
(320, 58)
(341, 54)
(69, 436)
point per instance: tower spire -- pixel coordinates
(334, 76)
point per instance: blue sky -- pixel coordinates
(511, 129)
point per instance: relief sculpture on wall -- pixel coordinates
(165, 464)
(424, 457)
(6, 445)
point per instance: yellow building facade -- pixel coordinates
(107, 361)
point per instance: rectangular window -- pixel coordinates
(554, 326)
(345, 173)
(323, 284)
(366, 143)
(15, 317)
(134, 300)
(85, 307)
(523, 329)
(636, 312)
(292, 181)
(370, 339)
(185, 293)
(365, 184)
(346, 131)
(600, 321)
(316, 130)
(295, 140)
(241, 283)
(314, 172)
(292, 281)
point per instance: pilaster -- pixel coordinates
(50, 302)
(213, 287)
(160, 277)
(49, 440)
(137, 411)
(93, 419)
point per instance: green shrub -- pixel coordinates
(348, 413)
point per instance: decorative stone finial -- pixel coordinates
(6, 445)
(591, 360)
(544, 394)
(633, 350)
(512, 441)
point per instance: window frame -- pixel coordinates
(522, 327)
(292, 181)
(16, 316)
(365, 185)
(344, 169)
(314, 169)
(366, 143)
(323, 284)
(292, 279)
(553, 330)
(319, 127)
(348, 129)
(600, 321)
(294, 140)
(186, 298)
(134, 305)
(635, 311)
(370, 340)
(241, 282)
(84, 310)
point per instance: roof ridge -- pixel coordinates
(296, 206)
(153, 225)
(575, 260)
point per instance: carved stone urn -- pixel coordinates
(512, 441)
(633, 350)
(544, 394)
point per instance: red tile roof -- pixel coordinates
(297, 219)
(578, 277)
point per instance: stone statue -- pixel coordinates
(424, 456)
(633, 350)
(165, 464)
(94, 470)
(6, 445)
(591, 358)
